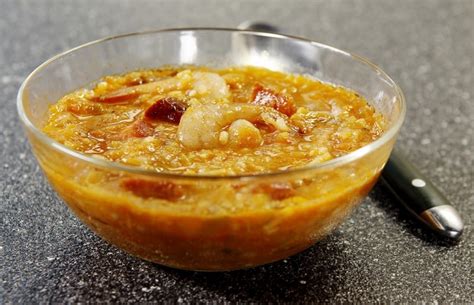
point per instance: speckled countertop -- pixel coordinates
(379, 254)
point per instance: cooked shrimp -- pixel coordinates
(201, 124)
(210, 85)
(242, 133)
(204, 85)
(129, 93)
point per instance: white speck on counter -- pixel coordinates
(9, 79)
(425, 141)
(152, 288)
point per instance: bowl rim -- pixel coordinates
(338, 161)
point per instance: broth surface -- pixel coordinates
(197, 120)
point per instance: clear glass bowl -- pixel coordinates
(192, 235)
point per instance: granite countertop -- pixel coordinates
(378, 254)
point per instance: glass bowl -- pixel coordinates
(222, 224)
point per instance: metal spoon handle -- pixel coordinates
(417, 194)
(421, 197)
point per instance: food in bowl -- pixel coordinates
(280, 161)
(219, 122)
(197, 120)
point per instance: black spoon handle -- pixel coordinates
(421, 197)
(415, 191)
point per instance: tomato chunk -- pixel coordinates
(147, 188)
(167, 109)
(139, 129)
(277, 190)
(267, 97)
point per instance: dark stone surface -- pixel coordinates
(379, 254)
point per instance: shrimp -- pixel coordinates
(242, 133)
(129, 93)
(203, 85)
(210, 85)
(201, 125)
